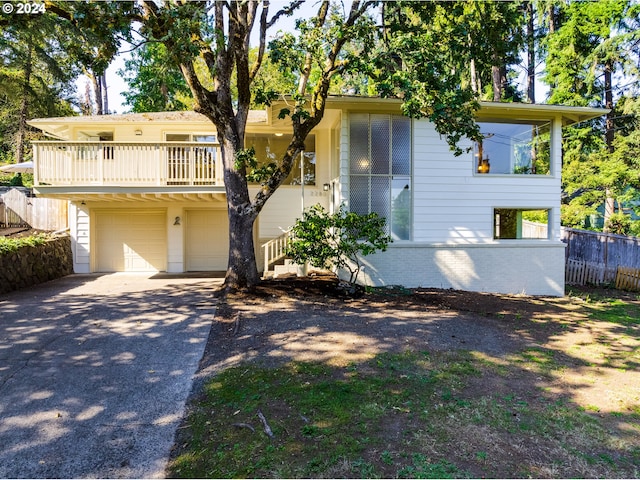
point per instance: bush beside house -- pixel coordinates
(35, 262)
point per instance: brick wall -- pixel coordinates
(32, 265)
(533, 268)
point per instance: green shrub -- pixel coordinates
(16, 180)
(10, 245)
(619, 223)
(337, 240)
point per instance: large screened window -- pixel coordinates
(513, 148)
(270, 148)
(380, 169)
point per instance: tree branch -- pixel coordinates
(263, 40)
(288, 11)
(320, 20)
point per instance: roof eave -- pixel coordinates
(570, 115)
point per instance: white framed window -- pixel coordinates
(380, 169)
(513, 148)
(521, 223)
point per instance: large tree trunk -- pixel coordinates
(531, 54)
(21, 136)
(87, 105)
(105, 95)
(609, 204)
(97, 91)
(496, 79)
(553, 26)
(242, 270)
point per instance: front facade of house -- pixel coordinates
(146, 192)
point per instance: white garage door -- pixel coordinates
(206, 240)
(134, 241)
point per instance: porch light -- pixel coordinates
(176, 221)
(279, 134)
(326, 187)
(138, 132)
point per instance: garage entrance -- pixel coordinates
(130, 241)
(206, 240)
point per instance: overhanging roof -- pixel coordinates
(570, 115)
(58, 126)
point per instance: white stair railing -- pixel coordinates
(276, 248)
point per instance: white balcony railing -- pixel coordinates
(127, 163)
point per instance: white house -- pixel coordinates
(146, 192)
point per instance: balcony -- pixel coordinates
(174, 165)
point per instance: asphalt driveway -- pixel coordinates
(95, 372)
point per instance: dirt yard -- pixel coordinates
(310, 319)
(583, 348)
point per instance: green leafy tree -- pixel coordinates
(35, 79)
(619, 224)
(219, 33)
(96, 30)
(424, 58)
(593, 43)
(155, 83)
(496, 35)
(337, 240)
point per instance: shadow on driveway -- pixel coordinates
(95, 371)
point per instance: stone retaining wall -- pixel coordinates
(32, 265)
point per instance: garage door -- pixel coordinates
(206, 240)
(134, 241)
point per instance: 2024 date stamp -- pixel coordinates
(23, 8)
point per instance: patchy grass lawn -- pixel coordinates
(563, 403)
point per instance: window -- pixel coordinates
(513, 148)
(513, 223)
(380, 169)
(270, 148)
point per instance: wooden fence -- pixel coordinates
(9, 218)
(601, 258)
(628, 279)
(607, 249)
(17, 209)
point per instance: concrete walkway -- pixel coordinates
(95, 371)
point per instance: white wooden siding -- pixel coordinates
(79, 226)
(453, 205)
(450, 203)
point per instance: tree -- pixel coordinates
(35, 78)
(155, 84)
(592, 43)
(210, 42)
(97, 29)
(332, 44)
(499, 35)
(337, 240)
(220, 34)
